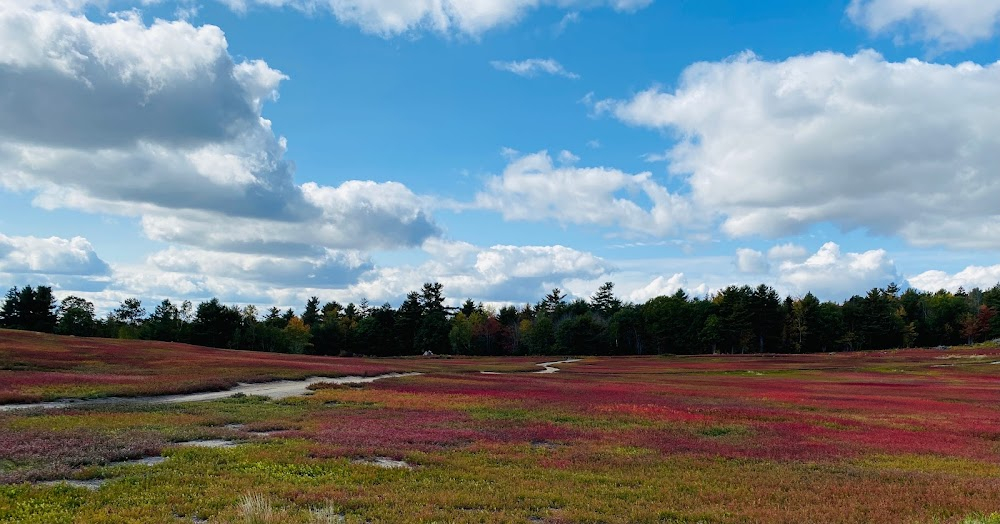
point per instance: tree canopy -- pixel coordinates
(736, 319)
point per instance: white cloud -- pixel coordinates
(983, 277)
(751, 261)
(906, 148)
(831, 274)
(630, 5)
(533, 188)
(331, 269)
(469, 17)
(355, 215)
(656, 157)
(151, 285)
(499, 264)
(660, 286)
(160, 122)
(568, 158)
(496, 274)
(568, 19)
(74, 83)
(50, 256)
(787, 251)
(950, 23)
(533, 67)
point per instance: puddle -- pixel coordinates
(251, 432)
(92, 484)
(145, 461)
(264, 434)
(385, 462)
(327, 515)
(276, 390)
(212, 443)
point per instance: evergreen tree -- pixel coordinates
(32, 309)
(553, 302)
(164, 323)
(408, 322)
(215, 324)
(274, 319)
(468, 308)
(604, 301)
(311, 317)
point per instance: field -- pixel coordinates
(897, 436)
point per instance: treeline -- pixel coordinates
(737, 319)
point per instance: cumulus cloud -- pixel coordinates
(533, 188)
(983, 277)
(898, 148)
(949, 23)
(787, 251)
(332, 269)
(469, 17)
(151, 284)
(500, 273)
(831, 274)
(501, 263)
(74, 83)
(751, 261)
(533, 67)
(160, 122)
(356, 215)
(50, 256)
(660, 286)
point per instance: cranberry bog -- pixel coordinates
(895, 436)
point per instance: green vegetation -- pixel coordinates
(734, 320)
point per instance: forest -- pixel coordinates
(737, 319)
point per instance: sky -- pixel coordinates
(266, 151)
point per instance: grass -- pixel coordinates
(814, 438)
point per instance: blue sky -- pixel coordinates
(267, 151)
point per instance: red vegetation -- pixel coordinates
(36, 367)
(806, 408)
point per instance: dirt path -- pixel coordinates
(276, 390)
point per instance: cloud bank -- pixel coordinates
(895, 148)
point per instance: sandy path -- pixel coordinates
(276, 390)
(547, 367)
